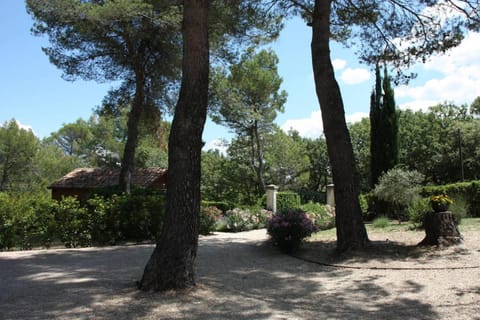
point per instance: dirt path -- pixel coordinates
(239, 276)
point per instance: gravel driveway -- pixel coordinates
(240, 276)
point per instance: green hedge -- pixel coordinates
(25, 221)
(29, 220)
(288, 200)
(469, 191)
(307, 196)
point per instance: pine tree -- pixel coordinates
(384, 127)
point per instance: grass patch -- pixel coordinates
(381, 222)
(468, 224)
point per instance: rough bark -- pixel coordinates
(351, 232)
(440, 229)
(171, 265)
(128, 160)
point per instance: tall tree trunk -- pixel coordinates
(257, 156)
(171, 265)
(375, 132)
(351, 232)
(128, 160)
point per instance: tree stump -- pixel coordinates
(441, 230)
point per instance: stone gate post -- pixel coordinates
(272, 198)
(331, 195)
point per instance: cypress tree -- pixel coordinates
(383, 127)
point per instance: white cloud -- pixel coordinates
(339, 64)
(313, 127)
(458, 80)
(309, 127)
(356, 117)
(24, 126)
(216, 144)
(355, 76)
(418, 105)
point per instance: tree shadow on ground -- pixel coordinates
(237, 279)
(388, 254)
(262, 283)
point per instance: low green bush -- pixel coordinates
(417, 210)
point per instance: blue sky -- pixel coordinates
(33, 92)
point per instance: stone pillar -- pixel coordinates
(331, 195)
(272, 197)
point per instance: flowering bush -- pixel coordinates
(289, 228)
(323, 216)
(260, 218)
(440, 202)
(237, 220)
(208, 218)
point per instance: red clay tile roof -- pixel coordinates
(89, 178)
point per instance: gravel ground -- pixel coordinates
(241, 276)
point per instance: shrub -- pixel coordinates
(362, 199)
(141, 216)
(42, 230)
(398, 187)
(259, 217)
(237, 219)
(469, 191)
(36, 220)
(322, 215)
(287, 201)
(417, 210)
(103, 230)
(208, 218)
(307, 196)
(221, 205)
(74, 223)
(25, 221)
(376, 207)
(380, 222)
(120, 217)
(459, 209)
(288, 229)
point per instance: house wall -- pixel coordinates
(160, 183)
(59, 193)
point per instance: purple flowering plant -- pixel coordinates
(288, 229)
